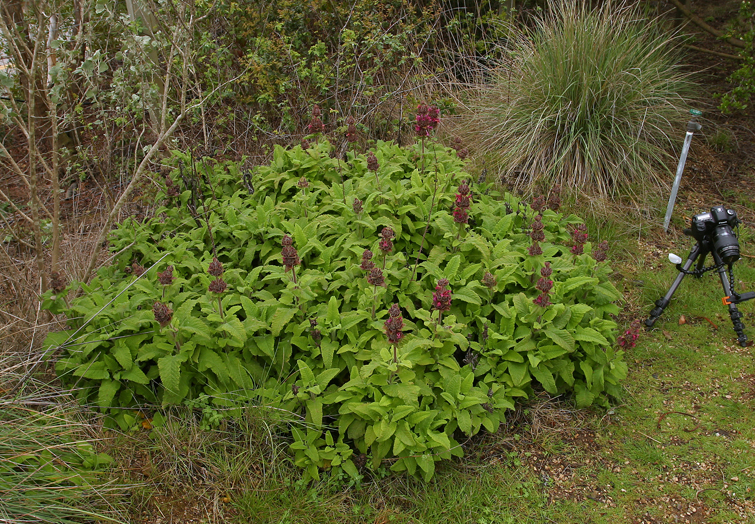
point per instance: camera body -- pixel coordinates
(715, 227)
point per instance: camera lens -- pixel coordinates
(725, 243)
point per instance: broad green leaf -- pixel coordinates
(108, 389)
(170, 372)
(281, 317)
(587, 334)
(135, 374)
(208, 359)
(519, 372)
(314, 411)
(543, 375)
(468, 295)
(307, 377)
(452, 268)
(122, 354)
(560, 337)
(333, 316)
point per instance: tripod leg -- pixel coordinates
(662, 303)
(733, 311)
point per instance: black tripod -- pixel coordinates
(698, 252)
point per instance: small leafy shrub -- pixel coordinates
(386, 303)
(588, 101)
(743, 78)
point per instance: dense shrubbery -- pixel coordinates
(590, 103)
(384, 302)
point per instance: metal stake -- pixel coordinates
(692, 127)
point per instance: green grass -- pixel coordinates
(592, 99)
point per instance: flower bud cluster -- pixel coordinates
(394, 325)
(316, 125)
(314, 332)
(600, 253)
(427, 120)
(442, 296)
(357, 206)
(461, 151)
(216, 270)
(166, 277)
(386, 244)
(579, 236)
(57, 283)
(537, 227)
(163, 313)
(289, 254)
(544, 285)
(351, 130)
(489, 280)
(462, 203)
(629, 339)
(376, 277)
(367, 263)
(372, 162)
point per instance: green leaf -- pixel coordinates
(235, 328)
(465, 422)
(333, 316)
(543, 375)
(314, 411)
(349, 467)
(135, 374)
(586, 334)
(560, 337)
(281, 317)
(468, 295)
(452, 268)
(170, 372)
(518, 372)
(307, 377)
(427, 465)
(208, 359)
(122, 354)
(107, 392)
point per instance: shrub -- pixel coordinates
(388, 309)
(588, 100)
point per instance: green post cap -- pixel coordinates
(696, 112)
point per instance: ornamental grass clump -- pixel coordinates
(593, 99)
(387, 363)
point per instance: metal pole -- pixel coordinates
(692, 127)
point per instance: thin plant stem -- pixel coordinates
(374, 300)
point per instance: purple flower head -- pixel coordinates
(546, 271)
(600, 252)
(316, 125)
(376, 277)
(217, 286)
(367, 263)
(166, 277)
(538, 203)
(357, 206)
(554, 199)
(351, 130)
(303, 183)
(427, 120)
(461, 216)
(537, 226)
(542, 300)
(163, 313)
(216, 268)
(289, 254)
(544, 285)
(629, 339)
(534, 250)
(489, 280)
(386, 245)
(137, 269)
(394, 325)
(442, 296)
(372, 162)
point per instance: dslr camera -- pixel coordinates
(715, 227)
